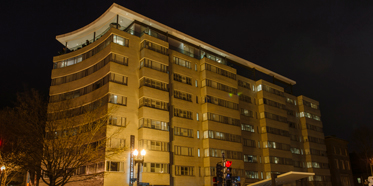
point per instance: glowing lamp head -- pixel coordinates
(228, 163)
(143, 152)
(2, 168)
(135, 152)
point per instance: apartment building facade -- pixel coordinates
(185, 102)
(340, 166)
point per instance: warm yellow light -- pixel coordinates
(143, 152)
(2, 168)
(135, 152)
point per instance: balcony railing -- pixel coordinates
(154, 47)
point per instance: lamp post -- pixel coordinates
(1, 174)
(138, 160)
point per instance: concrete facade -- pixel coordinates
(185, 104)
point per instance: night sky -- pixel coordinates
(325, 46)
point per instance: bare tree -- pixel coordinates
(59, 143)
(9, 157)
(362, 141)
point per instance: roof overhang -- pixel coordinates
(129, 16)
(283, 178)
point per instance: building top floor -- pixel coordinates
(136, 24)
(336, 146)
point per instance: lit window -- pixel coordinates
(196, 83)
(197, 134)
(259, 88)
(199, 153)
(197, 117)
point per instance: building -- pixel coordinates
(339, 161)
(186, 102)
(360, 167)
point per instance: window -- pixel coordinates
(182, 79)
(244, 84)
(117, 121)
(147, 102)
(273, 117)
(83, 109)
(317, 165)
(153, 145)
(153, 124)
(153, 65)
(251, 174)
(117, 99)
(196, 83)
(250, 158)
(291, 101)
(183, 132)
(276, 145)
(271, 90)
(219, 71)
(278, 160)
(90, 88)
(114, 166)
(184, 151)
(313, 127)
(309, 104)
(220, 119)
(195, 67)
(245, 98)
(217, 153)
(343, 165)
(246, 112)
(196, 99)
(120, 40)
(161, 168)
(314, 140)
(295, 150)
(199, 153)
(246, 127)
(221, 102)
(183, 62)
(221, 136)
(153, 84)
(249, 142)
(116, 143)
(219, 86)
(309, 115)
(182, 95)
(183, 113)
(90, 53)
(259, 88)
(275, 131)
(154, 47)
(184, 171)
(271, 103)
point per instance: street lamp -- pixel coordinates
(137, 160)
(1, 174)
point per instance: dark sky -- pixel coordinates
(326, 46)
